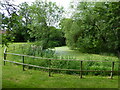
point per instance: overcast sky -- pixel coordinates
(64, 3)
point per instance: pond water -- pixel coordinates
(65, 51)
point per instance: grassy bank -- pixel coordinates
(63, 53)
(14, 77)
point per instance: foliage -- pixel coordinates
(36, 22)
(94, 27)
(6, 36)
(37, 51)
(48, 53)
(44, 16)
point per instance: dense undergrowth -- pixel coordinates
(29, 49)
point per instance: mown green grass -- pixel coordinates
(14, 77)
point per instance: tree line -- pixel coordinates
(37, 22)
(93, 26)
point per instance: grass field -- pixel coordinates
(64, 53)
(14, 77)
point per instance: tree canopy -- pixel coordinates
(94, 27)
(33, 22)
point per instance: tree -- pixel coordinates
(44, 15)
(94, 27)
(7, 22)
(33, 22)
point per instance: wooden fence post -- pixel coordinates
(49, 68)
(81, 69)
(23, 63)
(5, 55)
(112, 69)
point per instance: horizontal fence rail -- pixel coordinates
(50, 68)
(57, 68)
(58, 59)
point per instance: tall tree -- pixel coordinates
(44, 14)
(7, 20)
(94, 27)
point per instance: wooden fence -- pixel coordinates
(49, 66)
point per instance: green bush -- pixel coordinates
(62, 64)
